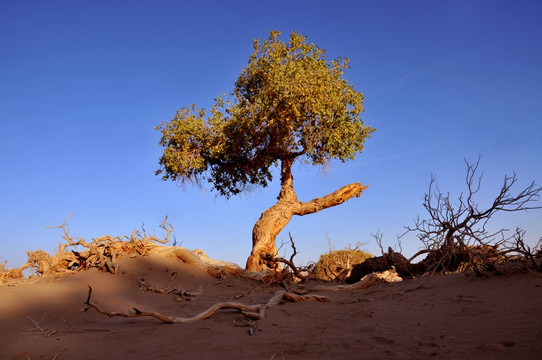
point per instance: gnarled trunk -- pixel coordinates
(274, 219)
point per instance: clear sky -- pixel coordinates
(82, 84)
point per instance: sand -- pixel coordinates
(442, 317)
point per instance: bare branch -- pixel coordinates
(378, 239)
(297, 272)
(458, 232)
(39, 328)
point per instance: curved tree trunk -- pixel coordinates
(274, 219)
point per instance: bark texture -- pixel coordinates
(274, 219)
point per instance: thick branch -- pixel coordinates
(335, 198)
(287, 180)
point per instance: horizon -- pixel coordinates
(83, 86)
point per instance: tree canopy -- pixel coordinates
(289, 102)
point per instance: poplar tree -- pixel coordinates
(289, 104)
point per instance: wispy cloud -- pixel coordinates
(396, 156)
(405, 79)
(411, 76)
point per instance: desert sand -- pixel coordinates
(457, 316)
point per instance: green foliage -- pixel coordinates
(289, 102)
(337, 264)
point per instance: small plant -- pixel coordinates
(336, 265)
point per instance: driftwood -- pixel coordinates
(178, 290)
(251, 311)
(101, 253)
(366, 282)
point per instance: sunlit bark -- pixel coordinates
(274, 219)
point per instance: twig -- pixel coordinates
(185, 294)
(290, 262)
(37, 326)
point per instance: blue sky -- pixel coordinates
(82, 84)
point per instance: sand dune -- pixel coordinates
(443, 317)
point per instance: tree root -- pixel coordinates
(251, 311)
(8, 274)
(101, 253)
(366, 282)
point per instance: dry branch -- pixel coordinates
(252, 311)
(297, 272)
(516, 245)
(38, 328)
(101, 253)
(9, 274)
(184, 294)
(366, 282)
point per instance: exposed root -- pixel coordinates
(366, 282)
(101, 253)
(6, 274)
(251, 311)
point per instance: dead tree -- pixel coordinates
(101, 253)
(456, 234)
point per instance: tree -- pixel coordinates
(456, 233)
(288, 104)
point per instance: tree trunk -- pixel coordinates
(274, 219)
